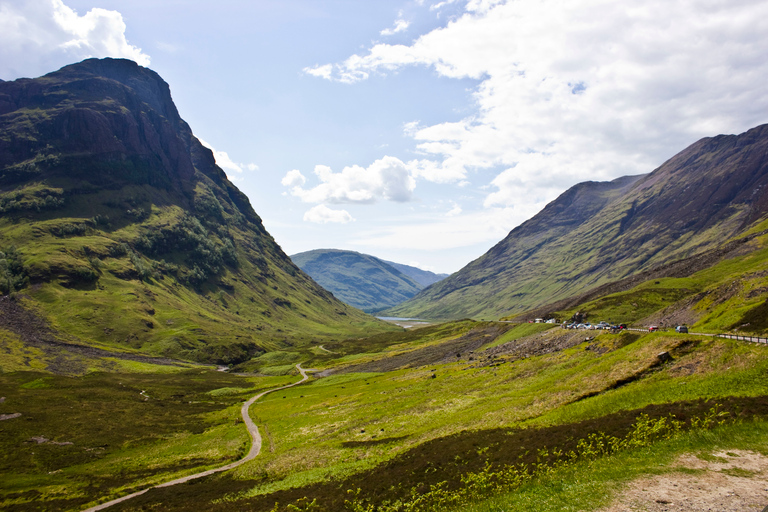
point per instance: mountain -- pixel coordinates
(363, 281)
(119, 230)
(423, 277)
(714, 191)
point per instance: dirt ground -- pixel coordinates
(733, 481)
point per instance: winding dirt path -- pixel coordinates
(254, 451)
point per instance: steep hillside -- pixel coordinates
(596, 233)
(119, 229)
(363, 281)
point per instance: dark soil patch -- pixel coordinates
(754, 320)
(372, 442)
(461, 348)
(445, 459)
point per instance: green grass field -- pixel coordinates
(383, 432)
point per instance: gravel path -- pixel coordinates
(254, 451)
(732, 481)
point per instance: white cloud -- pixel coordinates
(387, 178)
(38, 36)
(456, 210)
(293, 178)
(400, 26)
(324, 71)
(440, 5)
(441, 232)
(224, 161)
(321, 214)
(575, 90)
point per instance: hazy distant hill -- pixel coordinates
(423, 277)
(118, 227)
(596, 233)
(363, 281)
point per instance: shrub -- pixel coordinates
(69, 229)
(200, 250)
(145, 271)
(13, 275)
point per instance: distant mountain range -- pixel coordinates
(119, 229)
(594, 234)
(364, 281)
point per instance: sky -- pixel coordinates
(421, 131)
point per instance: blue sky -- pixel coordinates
(421, 131)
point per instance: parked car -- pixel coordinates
(653, 328)
(682, 329)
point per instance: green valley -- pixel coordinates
(143, 303)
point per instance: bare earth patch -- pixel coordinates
(733, 481)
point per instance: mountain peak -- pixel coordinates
(122, 200)
(147, 84)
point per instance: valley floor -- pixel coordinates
(476, 416)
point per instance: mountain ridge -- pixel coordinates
(706, 194)
(361, 280)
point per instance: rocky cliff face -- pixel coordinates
(104, 188)
(596, 233)
(108, 121)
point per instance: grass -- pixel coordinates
(589, 486)
(82, 437)
(94, 278)
(383, 432)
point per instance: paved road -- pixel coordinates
(254, 451)
(740, 337)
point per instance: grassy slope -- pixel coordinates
(594, 234)
(588, 486)
(729, 296)
(222, 320)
